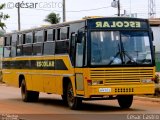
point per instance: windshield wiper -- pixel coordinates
(122, 54)
(125, 53)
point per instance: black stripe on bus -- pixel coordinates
(35, 64)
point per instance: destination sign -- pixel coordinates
(117, 23)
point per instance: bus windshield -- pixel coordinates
(120, 48)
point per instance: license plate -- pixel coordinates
(104, 89)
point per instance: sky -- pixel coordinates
(33, 12)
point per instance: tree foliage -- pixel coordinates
(52, 18)
(3, 16)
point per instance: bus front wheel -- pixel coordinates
(125, 101)
(28, 96)
(73, 102)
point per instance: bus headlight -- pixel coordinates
(147, 81)
(97, 82)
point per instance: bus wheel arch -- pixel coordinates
(72, 101)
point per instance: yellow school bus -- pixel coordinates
(89, 59)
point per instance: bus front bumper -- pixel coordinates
(119, 90)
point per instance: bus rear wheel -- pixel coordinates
(73, 102)
(125, 101)
(28, 96)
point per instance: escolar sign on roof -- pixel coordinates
(117, 23)
(120, 24)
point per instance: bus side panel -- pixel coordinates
(59, 85)
(6, 76)
(28, 80)
(49, 84)
(37, 81)
(10, 77)
(15, 78)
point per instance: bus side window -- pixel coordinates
(49, 48)
(27, 46)
(7, 47)
(19, 51)
(39, 36)
(13, 45)
(72, 48)
(64, 33)
(6, 51)
(50, 35)
(27, 49)
(37, 48)
(28, 38)
(38, 42)
(79, 55)
(80, 51)
(62, 47)
(62, 43)
(49, 44)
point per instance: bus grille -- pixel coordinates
(121, 75)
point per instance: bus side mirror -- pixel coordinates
(80, 37)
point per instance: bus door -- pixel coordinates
(77, 53)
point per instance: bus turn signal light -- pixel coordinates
(89, 82)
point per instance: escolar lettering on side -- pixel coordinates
(119, 24)
(45, 63)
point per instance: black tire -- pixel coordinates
(125, 101)
(64, 98)
(28, 96)
(73, 102)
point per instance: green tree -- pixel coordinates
(52, 18)
(3, 16)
